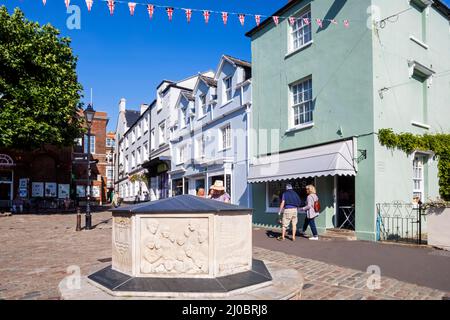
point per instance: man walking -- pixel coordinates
(290, 202)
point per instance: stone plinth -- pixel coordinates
(182, 237)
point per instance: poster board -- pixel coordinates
(81, 191)
(37, 189)
(96, 192)
(50, 189)
(63, 191)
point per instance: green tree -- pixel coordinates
(39, 89)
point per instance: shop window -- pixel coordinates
(276, 189)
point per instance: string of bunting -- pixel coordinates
(111, 4)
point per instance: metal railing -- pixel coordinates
(399, 222)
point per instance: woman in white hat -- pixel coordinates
(218, 192)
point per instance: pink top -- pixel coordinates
(223, 198)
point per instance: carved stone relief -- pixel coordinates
(234, 246)
(121, 253)
(174, 246)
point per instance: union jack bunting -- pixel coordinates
(319, 22)
(111, 6)
(306, 21)
(132, 6)
(169, 13)
(292, 20)
(334, 21)
(346, 23)
(67, 2)
(225, 17)
(188, 14)
(242, 19)
(276, 20)
(151, 10)
(89, 4)
(44, 2)
(258, 19)
(206, 15)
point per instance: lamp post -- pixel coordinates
(89, 114)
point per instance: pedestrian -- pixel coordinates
(290, 202)
(115, 200)
(218, 192)
(312, 209)
(67, 203)
(201, 192)
(17, 206)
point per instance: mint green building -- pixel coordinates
(320, 95)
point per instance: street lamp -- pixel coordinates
(89, 114)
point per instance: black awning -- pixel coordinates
(157, 166)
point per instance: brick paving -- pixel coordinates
(325, 281)
(38, 249)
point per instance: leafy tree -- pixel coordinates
(39, 89)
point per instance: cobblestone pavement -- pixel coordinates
(38, 249)
(324, 281)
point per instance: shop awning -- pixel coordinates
(325, 160)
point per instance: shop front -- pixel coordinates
(158, 172)
(6, 180)
(331, 168)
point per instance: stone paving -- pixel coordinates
(325, 281)
(38, 249)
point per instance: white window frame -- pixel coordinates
(133, 160)
(203, 110)
(92, 144)
(183, 121)
(162, 133)
(298, 32)
(145, 153)
(181, 154)
(228, 91)
(419, 161)
(152, 139)
(145, 124)
(138, 156)
(224, 138)
(127, 165)
(301, 103)
(200, 147)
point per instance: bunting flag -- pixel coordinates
(258, 19)
(319, 23)
(150, 9)
(206, 15)
(188, 15)
(292, 21)
(276, 20)
(89, 4)
(169, 13)
(225, 17)
(132, 6)
(242, 19)
(111, 6)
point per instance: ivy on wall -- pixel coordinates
(438, 143)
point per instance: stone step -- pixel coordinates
(349, 235)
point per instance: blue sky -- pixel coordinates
(124, 56)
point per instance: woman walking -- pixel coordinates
(312, 209)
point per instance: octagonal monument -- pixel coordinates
(182, 245)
